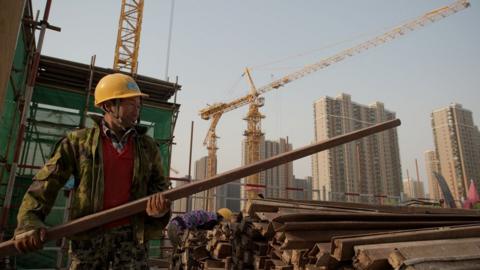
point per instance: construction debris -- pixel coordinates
(284, 234)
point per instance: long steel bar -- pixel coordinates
(360, 225)
(7, 248)
(342, 247)
(273, 204)
(325, 216)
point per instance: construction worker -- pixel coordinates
(113, 162)
(196, 220)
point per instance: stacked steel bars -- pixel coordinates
(201, 249)
(284, 234)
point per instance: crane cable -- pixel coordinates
(312, 51)
(167, 62)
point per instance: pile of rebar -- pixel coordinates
(283, 234)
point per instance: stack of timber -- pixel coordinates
(286, 234)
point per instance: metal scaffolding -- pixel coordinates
(62, 95)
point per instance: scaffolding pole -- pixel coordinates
(24, 108)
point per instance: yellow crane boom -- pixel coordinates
(253, 133)
(427, 18)
(128, 36)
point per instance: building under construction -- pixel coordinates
(43, 97)
(61, 98)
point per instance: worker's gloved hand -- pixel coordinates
(158, 205)
(31, 240)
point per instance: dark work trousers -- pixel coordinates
(115, 249)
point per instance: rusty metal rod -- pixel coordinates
(320, 215)
(342, 246)
(366, 225)
(7, 248)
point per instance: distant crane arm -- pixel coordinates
(427, 18)
(128, 36)
(213, 126)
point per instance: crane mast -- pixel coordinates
(128, 36)
(254, 117)
(211, 143)
(253, 136)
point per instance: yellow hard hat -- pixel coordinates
(115, 86)
(225, 213)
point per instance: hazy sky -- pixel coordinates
(213, 41)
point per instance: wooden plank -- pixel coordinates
(343, 247)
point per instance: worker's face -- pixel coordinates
(128, 111)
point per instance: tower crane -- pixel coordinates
(253, 98)
(128, 36)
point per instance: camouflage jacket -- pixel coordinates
(80, 154)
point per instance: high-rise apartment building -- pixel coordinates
(432, 166)
(457, 147)
(227, 195)
(199, 200)
(413, 188)
(301, 189)
(180, 205)
(366, 170)
(274, 181)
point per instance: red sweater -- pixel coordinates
(117, 176)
